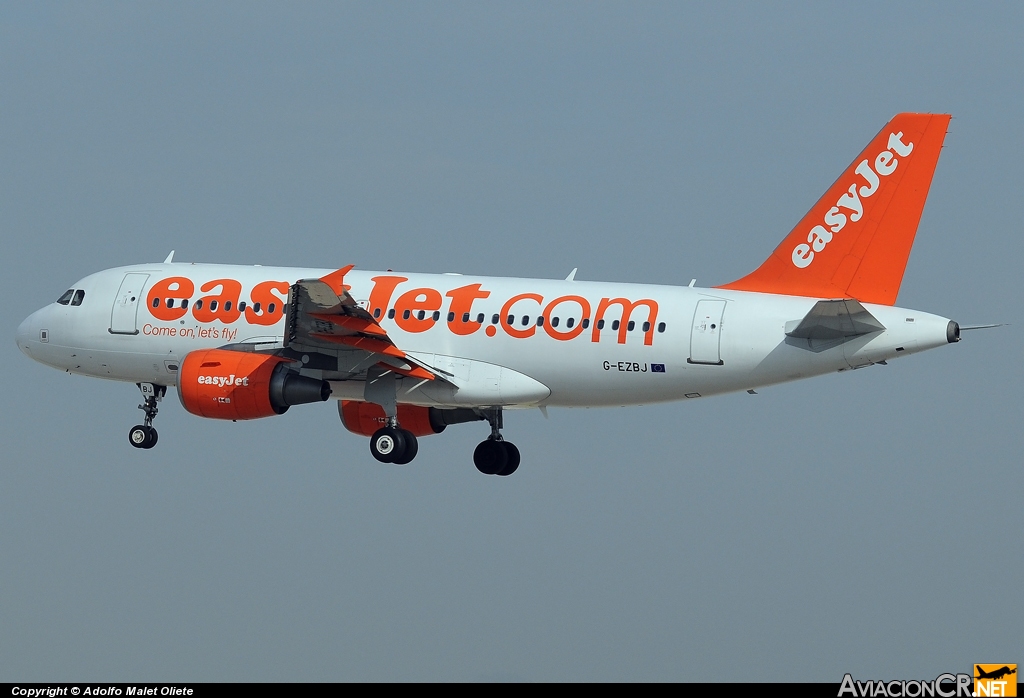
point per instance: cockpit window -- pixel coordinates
(79, 297)
(66, 298)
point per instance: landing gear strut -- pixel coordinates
(495, 456)
(144, 435)
(392, 444)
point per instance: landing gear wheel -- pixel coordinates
(513, 458)
(144, 435)
(490, 457)
(141, 436)
(387, 444)
(138, 436)
(411, 448)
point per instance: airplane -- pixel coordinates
(406, 355)
(995, 674)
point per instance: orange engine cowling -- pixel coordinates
(366, 417)
(225, 384)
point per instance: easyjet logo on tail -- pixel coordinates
(850, 206)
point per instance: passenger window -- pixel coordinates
(586, 322)
(631, 325)
(79, 297)
(376, 312)
(451, 317)
(405, 314)
(270, 308)
(526, 320)
(437, 315)
(241, 306)
(615, 324)
(199, 304)
(465, 317)
(540, 321)
(600, 324)
(156, 302)
(570, 322)
(511, 319)
(227, 306)
(256, 307)
(170, 302)
(480, 318)
(66, 298)
(647, 326)
(184, 303)
(391, 314)
(554, 322)
(661, 327)
(422, 314)
(213, 306)
(494, 319)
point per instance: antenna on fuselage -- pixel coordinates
(170, 258)
(572, 274)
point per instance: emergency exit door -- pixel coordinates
(706, 333)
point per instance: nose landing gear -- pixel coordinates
(144, 435)
(495, 456)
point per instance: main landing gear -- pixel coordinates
(495, 456)
(144, 435)
(392, 444)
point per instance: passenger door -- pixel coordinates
(126, 304)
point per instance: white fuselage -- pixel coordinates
(698, 342)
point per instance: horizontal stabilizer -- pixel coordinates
(835, 319)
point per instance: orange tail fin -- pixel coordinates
(855, 242)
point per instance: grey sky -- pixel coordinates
(862, 522)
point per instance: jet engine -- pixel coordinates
(225, 384)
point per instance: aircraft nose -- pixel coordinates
(28, 332)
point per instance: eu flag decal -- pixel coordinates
(657, 368)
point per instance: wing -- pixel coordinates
(323, 320)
